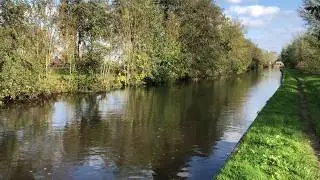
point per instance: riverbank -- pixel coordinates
(276, 147)
(56, 84)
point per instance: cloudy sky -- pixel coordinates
(269, 23)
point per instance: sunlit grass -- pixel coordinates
(311, 85)
(275, 147)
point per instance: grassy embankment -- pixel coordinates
(275, 146)
(311, 85)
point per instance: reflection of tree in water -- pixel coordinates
(86, 130)
(197, 109)
(24, 129)
(157, 128)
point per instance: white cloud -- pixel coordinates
(267, 25)
(251, 22)
(234, 1)
(289, 12)
(254, 10)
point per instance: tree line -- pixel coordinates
(303, 52)
(109, 43)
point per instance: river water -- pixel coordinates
(177, 132)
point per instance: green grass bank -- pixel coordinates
(275, 146)
(311, 86)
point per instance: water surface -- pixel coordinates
(184, 131)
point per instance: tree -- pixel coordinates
(200, 21)
(169, 6)
(303, 53)
(153, 41)
(86, 24)
(310, 12)
(140, 31)
(21, 62)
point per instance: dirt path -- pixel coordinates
(304, 116)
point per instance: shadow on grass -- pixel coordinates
(311, 84)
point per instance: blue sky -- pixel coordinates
(270, 23)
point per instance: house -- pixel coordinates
(278, 64)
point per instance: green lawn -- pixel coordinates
(275, 147)
(311, 84)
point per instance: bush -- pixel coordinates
(303, 53)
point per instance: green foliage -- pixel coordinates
(240, 50)
(15, 79)
(94, 83)
(310, 11)
(93, 60)
(141, 37)
(168, 66)
(275, 146)
(303, 53)
(199, 37)
(99, 43)
(21, 57)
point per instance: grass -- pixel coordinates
(311, 84)
(275, 146)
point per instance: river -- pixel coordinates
(181, 131)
